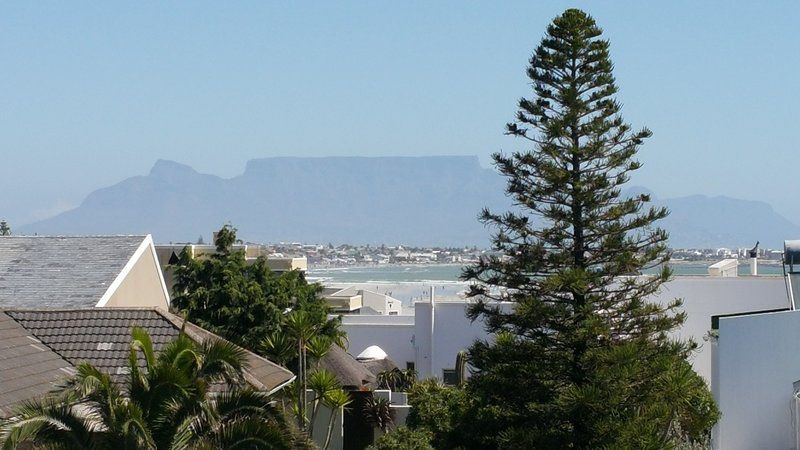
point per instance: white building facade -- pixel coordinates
(429, 339)
(756, 379)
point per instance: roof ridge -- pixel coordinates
(81, 309)
(83, 236)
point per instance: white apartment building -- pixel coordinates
(429, 339)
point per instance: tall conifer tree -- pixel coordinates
(583, 359)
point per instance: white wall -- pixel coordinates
(409, 338)
(757, 360)
(452, 332)
(321, 422)
(393, 334)
(704, 297)
(381, 302)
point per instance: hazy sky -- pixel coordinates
(92, 93)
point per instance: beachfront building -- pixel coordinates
(747, 329)
(756, 371)
(352, 300)
(756, 381)
(438, 329)
(80, 272)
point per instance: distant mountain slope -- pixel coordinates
(414, 200)
(425, 200)
(701, 221)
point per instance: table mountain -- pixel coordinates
(432, 200)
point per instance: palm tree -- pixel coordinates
(322, 382)
(378, 413)
(335, 400)
(302, 328)
(279, 348)
(397, 380)
(166, 404)
(389, 379)
(319, 346)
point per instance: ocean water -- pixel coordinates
(409, 283)
(388, 273)
(420, 273)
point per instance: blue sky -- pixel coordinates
(93, 93)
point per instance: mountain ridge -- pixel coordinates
(427, 200)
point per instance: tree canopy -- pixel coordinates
(584, 359)
(245, 301)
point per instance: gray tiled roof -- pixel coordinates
(61, 271)
(100, 336)
(28, 368)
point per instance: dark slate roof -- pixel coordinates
(100, 336)
(61, 271)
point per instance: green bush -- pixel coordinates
(438, 410)
(403, 438)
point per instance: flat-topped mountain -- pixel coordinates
(423, 200)
(431, 200)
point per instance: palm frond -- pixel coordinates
(141, 342)
(223, 361)
(48, 422)
(249, 434)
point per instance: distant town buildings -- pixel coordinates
(319, 256)
(328, 255)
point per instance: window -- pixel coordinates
(409, 365)
(449, 377)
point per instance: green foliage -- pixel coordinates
(439, 411)
(583, 360)
(5, 228)
(279, 347)
(396, 379)
(280, 316)
(403, 438)
(323, 383)
(378, 413)
(246, 302)
(168, 405)
(335, 399)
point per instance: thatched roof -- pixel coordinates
(376, 366)
(349, 372)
